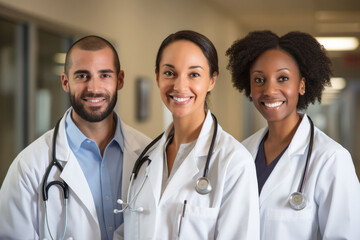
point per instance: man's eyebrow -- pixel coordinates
(106, 71)
(81, 71)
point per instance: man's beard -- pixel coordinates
(93, 115)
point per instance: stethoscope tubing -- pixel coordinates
(206, 169)
(307, 164)
(141, 159)
(46, 186)
(297, 200)
(54, 162)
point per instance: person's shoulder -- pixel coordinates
(325, 142)
(251, 143)
(132, 134)
(231, 145)
(39, 146)
(326, 146)
(31, 158)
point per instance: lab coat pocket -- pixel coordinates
(196, 222)
(131, 224)
(284, 224)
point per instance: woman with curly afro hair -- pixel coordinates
(307, 183)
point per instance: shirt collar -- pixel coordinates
(76, 137)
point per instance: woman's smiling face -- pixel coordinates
(275, 85)
(184, 79)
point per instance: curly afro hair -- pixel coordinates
(310, 56)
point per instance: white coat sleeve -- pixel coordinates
(338, 197)
(18, 203)
(239, 212)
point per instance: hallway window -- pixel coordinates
(51, 100)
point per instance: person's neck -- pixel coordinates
(101, 132)
(282, 132)
(187, 129)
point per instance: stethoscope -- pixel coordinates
(297, 199)
(62, 184)
(203, 185)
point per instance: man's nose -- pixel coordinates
(94, 85)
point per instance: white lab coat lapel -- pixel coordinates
(189, 167)
(283, 168)
(156, 167)
(278, 176)
(72, 173)
(132, 150)
(183, 175)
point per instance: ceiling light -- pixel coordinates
(339, 43)
(338, 83)
(338, 15)
(338, 27)
(59, 58)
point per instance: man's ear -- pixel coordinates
(120, 80)
(65, 82)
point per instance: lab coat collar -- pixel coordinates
(206, 134)
(296, 146)
(62, 146)
(301, 138)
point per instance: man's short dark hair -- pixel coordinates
(91, 43)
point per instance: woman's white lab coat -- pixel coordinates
(332, 190)
(229, 211)
(21, 204)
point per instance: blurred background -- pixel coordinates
(35, 35)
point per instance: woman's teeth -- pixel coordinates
(272, 105)
(181, 99)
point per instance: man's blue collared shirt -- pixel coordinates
(103, 173)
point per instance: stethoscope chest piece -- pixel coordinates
(203, 185)
(297, 201)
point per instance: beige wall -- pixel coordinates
(137, 27)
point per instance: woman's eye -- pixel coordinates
(258, 80)
(283, 78)
(193, 75)
(168, 73)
